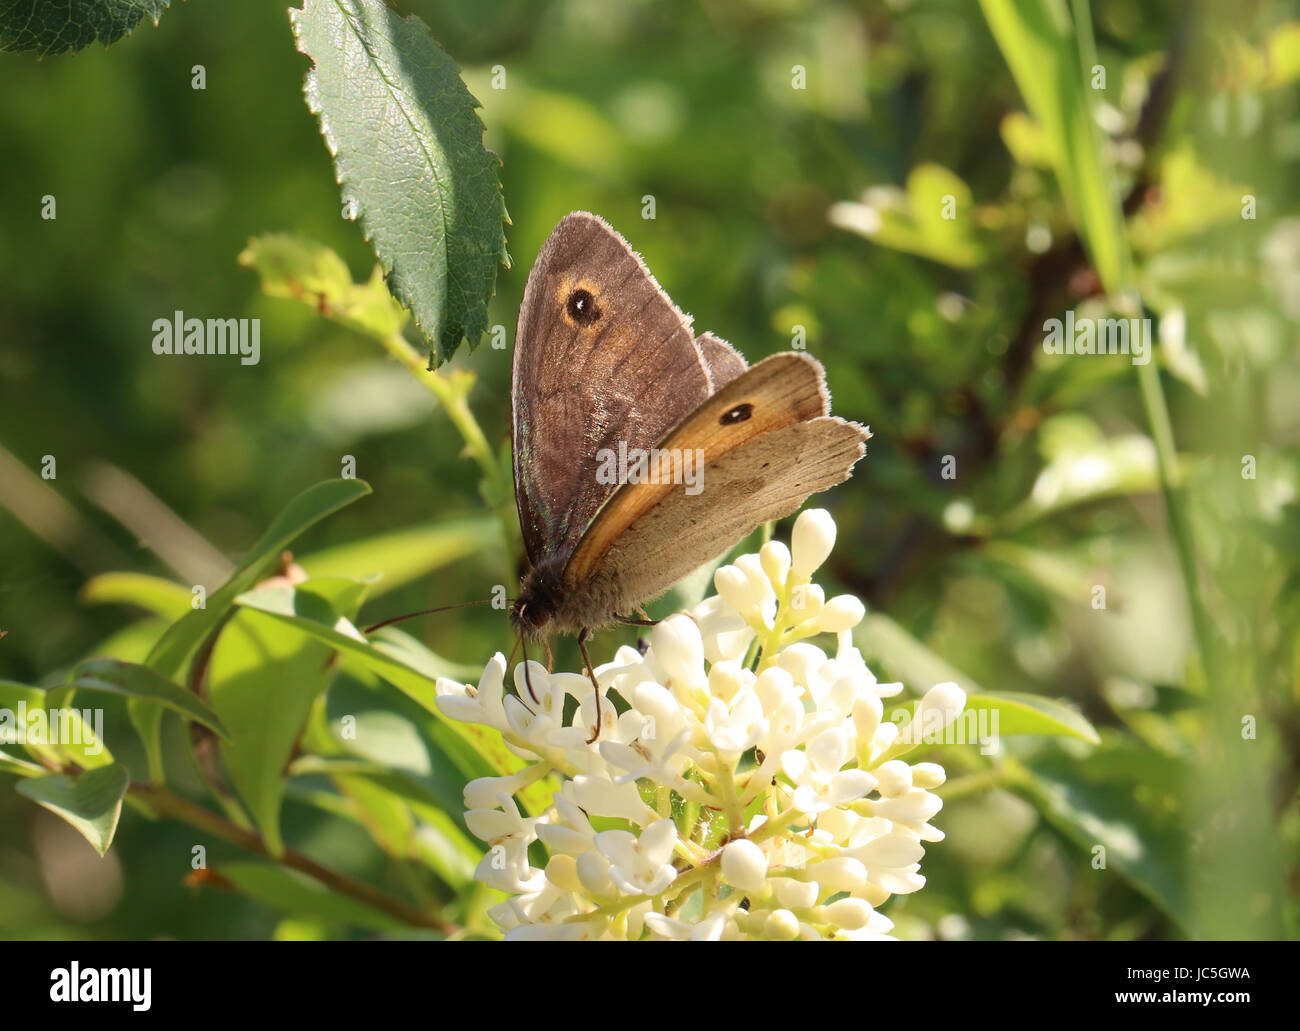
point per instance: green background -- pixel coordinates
(160, 186)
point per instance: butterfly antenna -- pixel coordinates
(591, 672)
(425, 612)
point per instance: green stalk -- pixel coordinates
(452, 393)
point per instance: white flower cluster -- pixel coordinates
(750, 789)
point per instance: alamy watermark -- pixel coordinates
(973, 726)
(179, 335)
(1098, 336)
(654, 465)
(81, 727)
(74, 983)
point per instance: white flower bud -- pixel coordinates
(775, 558)
(868, 711)
(893, 778)
(773, 687)
(679, 649)
(849, 914)
(781, 925)
(734, 588)
(811, 542)
(744, 865)
(941, 705)
(806, 602)
(593, 872)
(843, 612)
(759, 585)
(893, 851)
(928, 775)
(562, 871)
(796, 894)
(842, 873)
(802, 661)
(725, 679)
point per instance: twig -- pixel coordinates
(165, 802)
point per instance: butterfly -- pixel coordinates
(606, 365)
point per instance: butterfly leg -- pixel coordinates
(629, 621)
(528, 681)
(591, 672)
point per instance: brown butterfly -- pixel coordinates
(606, 365)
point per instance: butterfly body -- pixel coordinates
(605, 365)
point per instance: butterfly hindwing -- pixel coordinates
(767, 444)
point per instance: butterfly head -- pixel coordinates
(533, 611)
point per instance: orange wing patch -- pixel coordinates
(777, 392)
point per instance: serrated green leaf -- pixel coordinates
(135, 681)
(45, 28)
(408, 149)
(92, 802)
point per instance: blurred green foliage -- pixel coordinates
(1171, 487)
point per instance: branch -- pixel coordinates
(165, 802)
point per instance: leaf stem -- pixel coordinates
(452, 392)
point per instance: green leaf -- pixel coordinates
(1126, 798)
(408, 150)
(92, 802)
(933, 218)
(406, 555)
(45, 28)
(292, 892)
(183, 638)
(263, 679)
(392, 655)
(1048, 61)
(151, 593)
(413, 669)
(13, 764)
(303, 270)
(174, 650)
(65, 737)
(135, 681)
(1111, 467)
(1019, 713)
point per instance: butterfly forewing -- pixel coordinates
(602, 358)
